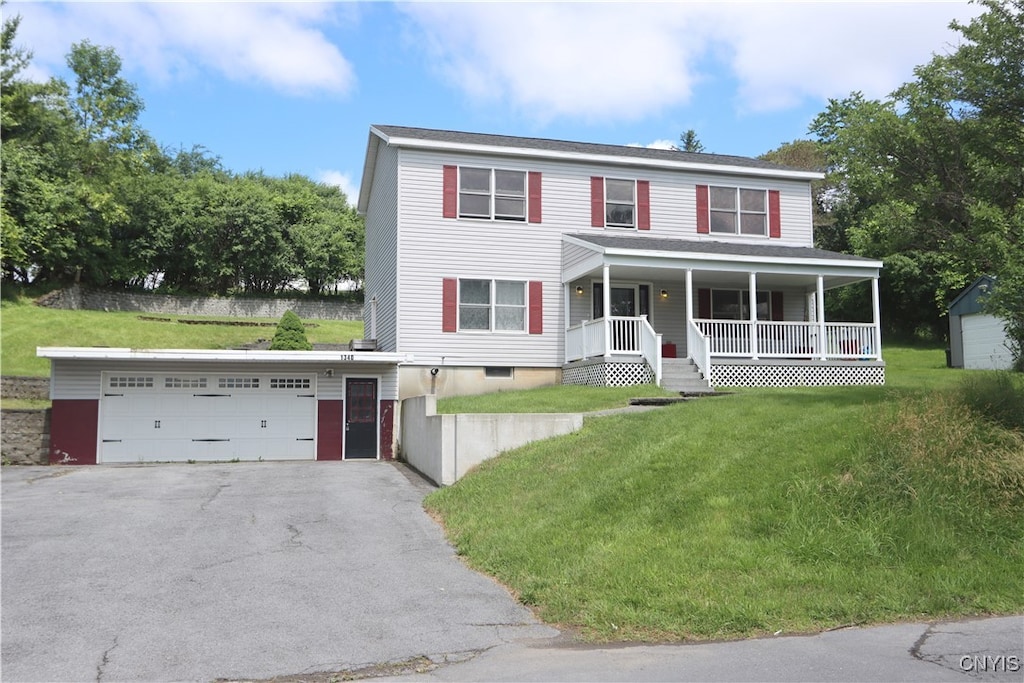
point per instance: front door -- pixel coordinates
(626, 300)
(360, 418)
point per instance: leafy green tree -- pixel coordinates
(290, 334)
(931, 179)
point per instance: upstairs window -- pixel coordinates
(738, 211)
(492, 194)
(616, 203)
(619, 203)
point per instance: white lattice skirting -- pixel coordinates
(608, 374)
(726, 375)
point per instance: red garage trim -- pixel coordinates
(387, 429)
(74, 428)
(330, 429)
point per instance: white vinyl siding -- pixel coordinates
(381, 277)
(80, 379)
(985, 343)
(431, 248)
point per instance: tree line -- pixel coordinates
(88, 196)
(930, 180)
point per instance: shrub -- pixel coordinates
(290, 334)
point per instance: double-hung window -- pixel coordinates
(619, 203)
(492, 305)
(739, 211)
(492, 193)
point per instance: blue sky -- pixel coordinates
(294, 87)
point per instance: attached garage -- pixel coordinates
(132, 406)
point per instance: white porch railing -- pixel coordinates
(615, 336)
(842, 341)
(698, 348)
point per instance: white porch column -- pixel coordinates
(566, 320)
(876, 312)
(753, 313)
(606, 295)
(820, 304)
(689, 296)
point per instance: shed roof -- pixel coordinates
(970, 299)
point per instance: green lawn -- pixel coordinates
(24, 326)
(787, 510)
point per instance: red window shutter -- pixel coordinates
(451, 192)
(643, 205)
(597, 202)
(774, 214)
(536, 307)
(704, 303)
(450, 305)
(534, 196)
(703, 214)
(777, 306)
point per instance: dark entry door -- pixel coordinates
(360, 418)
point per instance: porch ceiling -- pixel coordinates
(724, 264)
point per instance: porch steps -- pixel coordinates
(682, 375)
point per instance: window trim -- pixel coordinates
(738, 213)
(493, 195)
(624, 226)
(493, 306)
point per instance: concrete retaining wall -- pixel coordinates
(13, 386)
(25, 438)
(445, 447)
(83, 298)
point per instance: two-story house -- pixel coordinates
(502, 262)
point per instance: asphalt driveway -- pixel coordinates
(233, 571)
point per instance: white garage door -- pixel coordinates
(202, 417)
(985, 343)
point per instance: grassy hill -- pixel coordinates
(789, 510)
(24, 326)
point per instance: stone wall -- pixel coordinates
(78, 298)
(25, 438)
(25, 387)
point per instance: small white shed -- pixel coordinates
(977, 340)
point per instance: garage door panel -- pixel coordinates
(174, 419)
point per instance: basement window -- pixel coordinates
(498, 373)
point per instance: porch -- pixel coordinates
(743, 321)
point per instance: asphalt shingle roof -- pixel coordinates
(713, 247)
(640, 153)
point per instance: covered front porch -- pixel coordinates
(742, 314)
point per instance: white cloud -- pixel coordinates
(657, 144)
(276, 44)
(625, 61)
(596, 61)
(342, 180)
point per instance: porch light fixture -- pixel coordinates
(579, 290)
(664, 294)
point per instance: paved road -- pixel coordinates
(980, 650)
(307, 571)
(237, 571)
